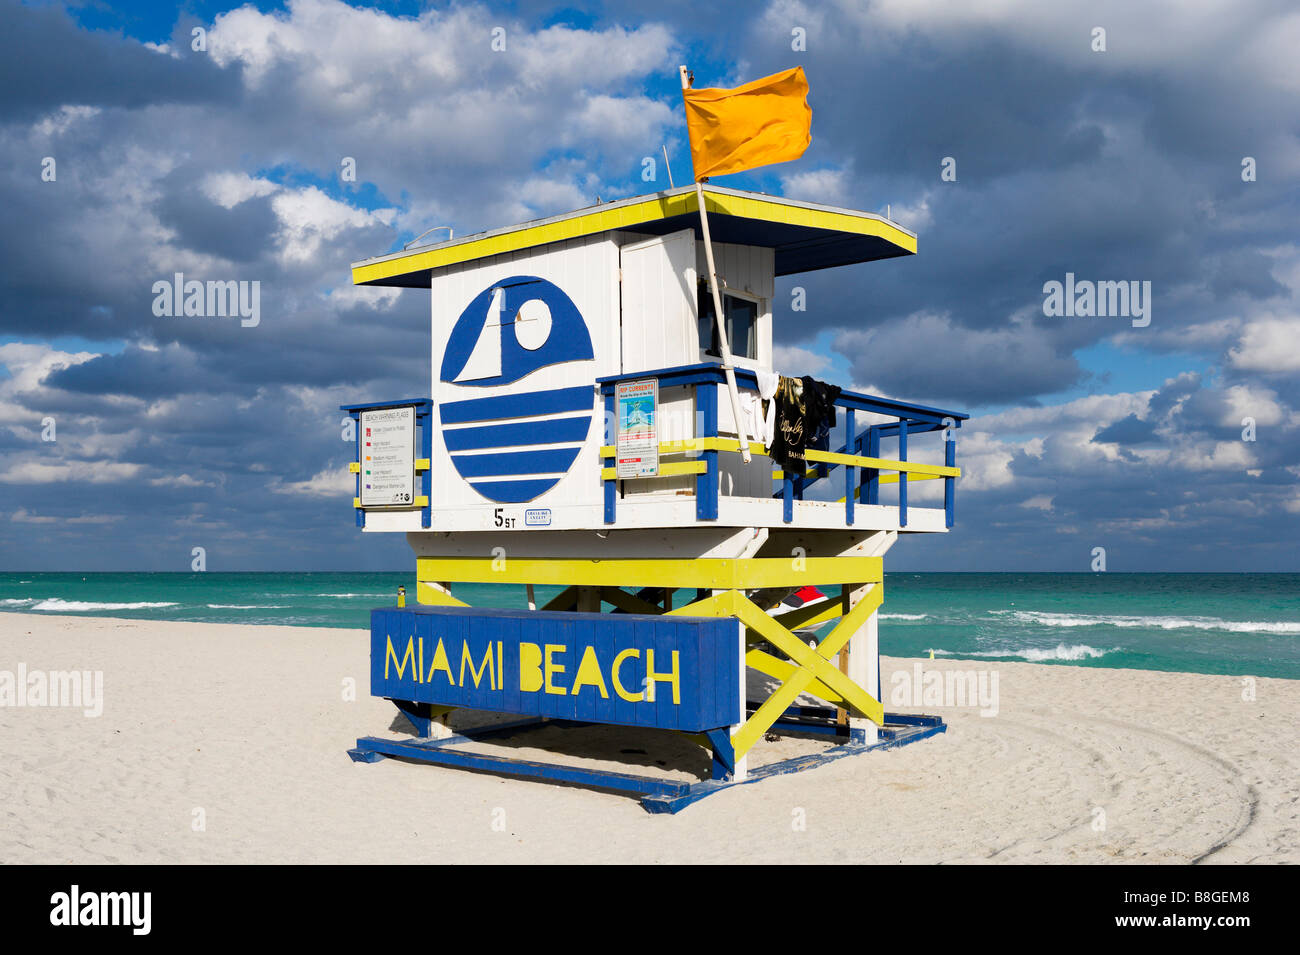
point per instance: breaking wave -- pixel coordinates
(1151, 623)
(57, 605)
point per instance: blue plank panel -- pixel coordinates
(514, 492)
(501, 464)
(606, 648)
(642, 637)
(546, 431)
(517, 406)
(706, 679)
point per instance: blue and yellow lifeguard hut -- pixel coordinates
(579, 434)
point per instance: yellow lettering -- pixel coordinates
(530, 668)
(618, 684)
(440, 662)
(401, 665)
(552, 668)
(589, 674)
(671, 676)
(488, 664)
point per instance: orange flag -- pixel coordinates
(762, 122)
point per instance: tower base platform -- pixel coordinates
(657, 795)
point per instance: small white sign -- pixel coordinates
(388, 457)
(537, 517)
(636, 451)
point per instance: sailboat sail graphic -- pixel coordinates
(513, 447)
(485, 360)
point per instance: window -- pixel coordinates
(742, 325)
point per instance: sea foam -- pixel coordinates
(1151, 622)
(57, 605)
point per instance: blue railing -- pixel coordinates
(861, 480)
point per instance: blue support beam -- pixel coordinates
(707, 484)
(949, 483)
(902, 478)
(873, 474)
(850, 473)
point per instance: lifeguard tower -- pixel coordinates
(579, 433)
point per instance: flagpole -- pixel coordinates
(724, 346)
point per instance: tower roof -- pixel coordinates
(804, 236)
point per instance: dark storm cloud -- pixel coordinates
(47, 60)
(241, 234)
(1130, 430)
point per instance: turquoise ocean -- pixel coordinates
(1240, 624)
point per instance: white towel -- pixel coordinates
(761, 427)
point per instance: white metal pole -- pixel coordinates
(719, 323)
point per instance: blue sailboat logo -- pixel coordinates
(513, 447)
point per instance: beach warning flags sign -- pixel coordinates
(762, 122)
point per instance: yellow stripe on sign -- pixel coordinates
(355, 467)
(695, 445)
(665, 470)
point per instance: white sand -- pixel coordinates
(249, 725)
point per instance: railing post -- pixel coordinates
(949, 483)
(850, 472)
(426, 452)
(873, 474)
(356, 417)
(706, 484)
(902, 475)
(611, 437)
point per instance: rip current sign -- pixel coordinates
(637, 445)
(388, 457)
(679, 673)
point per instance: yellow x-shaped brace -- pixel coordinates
(810, 670)
(807, 670)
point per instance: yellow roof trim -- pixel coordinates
(628, 215)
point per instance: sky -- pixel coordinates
(1017, 141)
